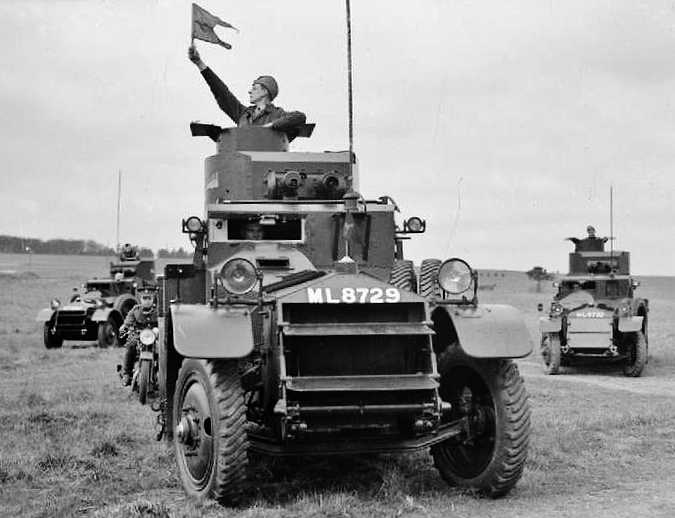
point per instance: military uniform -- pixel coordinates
(138, 317)
(244, 116)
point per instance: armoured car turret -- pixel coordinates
(595, 314)
(300, 328)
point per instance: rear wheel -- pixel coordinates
(107, 333)
(144, 381)
(51, 339)
(490, 395)
(550, 353)
(210, 436)
(637, 354)
(429, 278)
(403, 275)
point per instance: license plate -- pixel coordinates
(353, 295)
(72, 308)
(591, 314)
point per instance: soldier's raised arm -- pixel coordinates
(225, 99)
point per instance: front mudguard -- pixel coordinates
(201, 331)
(44, 315)
(485, 331)
(550, 325)
(630, 324)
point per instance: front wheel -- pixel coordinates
(550, 353)
(51, 340)
(144, 381)
(637, 355)
(210, 437)
(107, 334)
(490, 396)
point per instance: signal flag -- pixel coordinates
(203, 23)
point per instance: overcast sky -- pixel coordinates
(502, 123)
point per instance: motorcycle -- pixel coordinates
(144, 378)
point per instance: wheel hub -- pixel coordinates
(194, 434)
(187, 431)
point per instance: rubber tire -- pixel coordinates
(144, 380)
(103, 337)
(504, 461)
(551, 354)
(429, 278)
(227, 473)
(637, 356)
(403, 276)
(51, 341)
(124, 303)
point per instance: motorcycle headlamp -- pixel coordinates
(624, 310)
(147, 337)
(55, 303)
(238, 276)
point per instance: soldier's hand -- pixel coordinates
(193, 55)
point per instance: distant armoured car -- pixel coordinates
(596, 315)
(94, 313)
(304, 331)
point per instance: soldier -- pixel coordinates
(139, 316)
(253, 231)
(261, 94)
(591, 243)
(128, 253)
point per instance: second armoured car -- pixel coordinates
(299, 328)
(596, 315)
(94, 313)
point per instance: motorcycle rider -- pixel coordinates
(140, 316)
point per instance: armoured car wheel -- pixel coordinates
(403, 275)
(550, 353)
(124, 303)
(490, 395)
(107, 333)
(429, 278)
(637, 354)
(210, 437)
(52, 341)
(144, 381)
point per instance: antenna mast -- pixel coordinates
(349, 90)
(611, 224)
(119, 190)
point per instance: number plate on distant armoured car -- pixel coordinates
(374, 295)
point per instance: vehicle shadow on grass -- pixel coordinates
(278, 481)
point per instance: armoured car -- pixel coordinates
(94, 313)
(595, 315)
(300, 329)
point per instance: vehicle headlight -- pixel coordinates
(193, 224)
(239, 276)
(556, 308)
(455, 276)
(55, 303)
(624, 310)
(414, 224)
(147, 337)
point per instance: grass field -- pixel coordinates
(76, 444)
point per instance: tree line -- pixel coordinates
(21, 245)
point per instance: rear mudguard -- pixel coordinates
(630, 324)
(487, 331)
(44, 315)
(550, 325)
(200, 331)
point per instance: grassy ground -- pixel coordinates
(74, 443)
